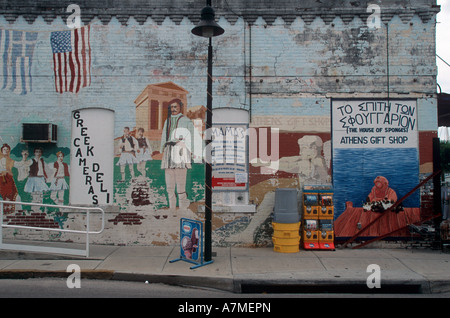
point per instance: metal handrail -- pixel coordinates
(87, 232)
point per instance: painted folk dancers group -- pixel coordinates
(35, 172)
(134, 151)
(176, 152)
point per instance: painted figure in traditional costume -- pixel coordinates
(176, 142)
(23, 166)
(143, 152)
(37, 178)
(59, 184)
(128, 147)
(8, 189)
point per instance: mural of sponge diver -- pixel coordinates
(381, 197)
(176, 147)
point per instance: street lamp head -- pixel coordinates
(207, 27)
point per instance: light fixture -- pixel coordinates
(207, 27)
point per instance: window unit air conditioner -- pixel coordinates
(32, 132)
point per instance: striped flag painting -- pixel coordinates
(71, 59)
(16, 55)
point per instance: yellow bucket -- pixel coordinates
(286, 241)
(285, 234)
(286, 237)
(286, 248)
(286, 245)
(286, 226)
(286, 230)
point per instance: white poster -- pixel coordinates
(92, 155)
(374, 124)
(229, 157)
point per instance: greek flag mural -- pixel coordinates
(16, 57)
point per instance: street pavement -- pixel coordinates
(246, 270)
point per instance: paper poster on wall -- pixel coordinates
(229, 157)
(92, 154)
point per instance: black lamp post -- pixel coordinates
(208, 28)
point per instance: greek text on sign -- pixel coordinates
(374, 123)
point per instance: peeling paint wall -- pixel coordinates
(283, 70)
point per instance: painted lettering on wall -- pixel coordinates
(91, 153)
(375, 123)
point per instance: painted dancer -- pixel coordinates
(8, 189)
(128, 147)
(59, 184)
(36, 183)
(143, 152)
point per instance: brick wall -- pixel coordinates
(34, 219)
(282, 68)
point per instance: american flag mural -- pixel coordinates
(71, 59)
(16, 56)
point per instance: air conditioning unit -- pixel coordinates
(38, 132)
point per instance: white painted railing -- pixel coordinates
(47, 249)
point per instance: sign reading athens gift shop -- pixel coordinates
(92, 153)
(374, 123)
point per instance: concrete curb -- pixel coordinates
(27, 274)
(243, 285)
(222, 283)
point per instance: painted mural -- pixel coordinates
(145, 85)
(42, 177)
(158, 167)
(375, 163)
(158, 159)
(303, 159)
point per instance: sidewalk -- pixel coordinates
(241, 270)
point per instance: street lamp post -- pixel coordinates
(208, 28)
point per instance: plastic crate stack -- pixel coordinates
(318, 218)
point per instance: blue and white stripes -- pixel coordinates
(16, 56)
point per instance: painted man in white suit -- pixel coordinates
(176, 147)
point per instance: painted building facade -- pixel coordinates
(337, 93)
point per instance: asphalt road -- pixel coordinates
(88, 288)
(58, 288)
